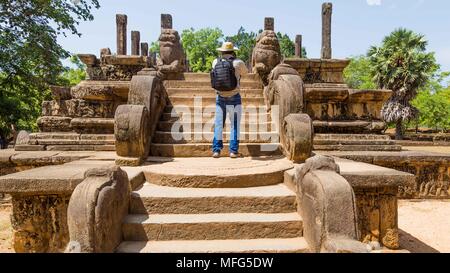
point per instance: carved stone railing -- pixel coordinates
(135, 122)
(328, 207)
(285, 90)
(96, 211)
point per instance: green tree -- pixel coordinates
(154, 47)
(73, 75)
(287, 46)
(30, 56)
(358, 74)
(201, 47)
(433, 103)
(245, 41)
(401, 64)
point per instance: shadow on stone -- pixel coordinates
(414, 245)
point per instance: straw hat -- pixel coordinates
(227, 46)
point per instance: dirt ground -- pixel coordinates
(436, 149)
(5, 230)
(424, 226)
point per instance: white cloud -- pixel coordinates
(374, 2)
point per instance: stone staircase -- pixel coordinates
(203, 206)
(190, 114)
(354, 142)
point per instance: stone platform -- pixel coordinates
(432, 170)
(216, 173)
(12, 161)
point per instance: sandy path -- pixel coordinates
(436, 149)
(5, 230)
(425, 225)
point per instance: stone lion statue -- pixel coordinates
(171, 61)
(266, 54)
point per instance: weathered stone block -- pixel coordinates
(39, 223)
(378, 216)
(93, 125)
(93, 92)
(54, 124)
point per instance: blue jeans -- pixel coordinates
(233, 107)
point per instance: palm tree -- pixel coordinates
(402, 65)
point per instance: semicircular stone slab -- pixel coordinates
(216, 173)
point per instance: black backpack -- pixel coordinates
(223, 77)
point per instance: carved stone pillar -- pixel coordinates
(121, 21)
(144, 49)
(166, 21)
(327, 10)
(135, 42)
(298, 46)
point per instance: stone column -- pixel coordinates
(269, 23)
(298, 46)
(144, 49)
(166, 21)
(121, 21)
(135, 42)
(327, 10)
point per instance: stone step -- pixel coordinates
(206, 77)
(198, 172)
(161, 137)
(352, 142)
(103, 148)
(356, 127)
(209, 110)
(73, 142)
(384, 148)
(93, 125)
(209, 92)
(205, 124)
(277, 245)
(220, 226)
(244, 84)
(197, 113)
(71, 136)
(154, 199)
(204, 149)
(351, 137)
(197, 100)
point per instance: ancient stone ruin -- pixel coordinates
(308, 180)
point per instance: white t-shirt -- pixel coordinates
(240, 70)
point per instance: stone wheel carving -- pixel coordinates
(297, 137)
(131, 129)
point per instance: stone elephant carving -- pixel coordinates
(96, 211)
(328, 208)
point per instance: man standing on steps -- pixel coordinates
(225, 77)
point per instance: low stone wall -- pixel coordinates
(377, 215)
(39, 223)
(432, 170)
(40, 199)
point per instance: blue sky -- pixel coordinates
(357, 24)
